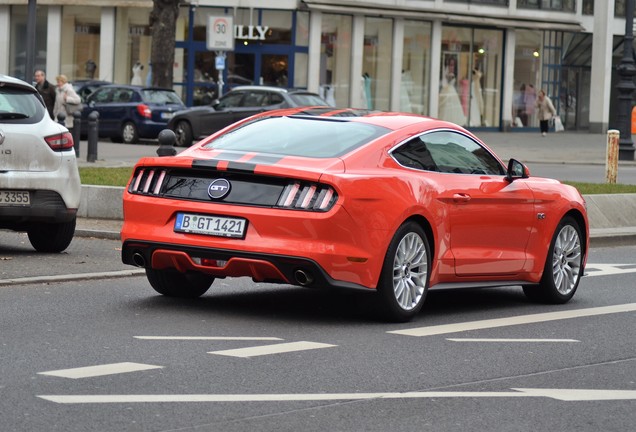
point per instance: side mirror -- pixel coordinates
(516, 170)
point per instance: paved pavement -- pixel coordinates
(557, 148)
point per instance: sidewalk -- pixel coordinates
(528, 147)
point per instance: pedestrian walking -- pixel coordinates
(546, 111)
(46, 90)
(66, 101)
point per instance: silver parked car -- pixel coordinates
(39, 180)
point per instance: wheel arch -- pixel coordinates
(582, 223)
(428, 230)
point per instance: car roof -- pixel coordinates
(264, 88)
(15, 82)
(135, 87)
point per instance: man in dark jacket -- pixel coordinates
(46, 89)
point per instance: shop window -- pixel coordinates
(470, 85)
(81, 38)
(335, 59)
(376, 64)
(302, 29)
(280, 27)
(414, 88)
(132, 37)
(527, 77)
(17, 55)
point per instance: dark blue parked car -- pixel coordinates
(127, 113)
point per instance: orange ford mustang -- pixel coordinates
(396, 203)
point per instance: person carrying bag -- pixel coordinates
(66, 100)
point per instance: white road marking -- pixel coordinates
(516, 320)
(608, 269)
(272, 349)
(559, 394)
(509, 340)
(100, 370)
(208, 338)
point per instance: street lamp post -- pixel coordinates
(625, 87)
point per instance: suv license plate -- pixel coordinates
(210, 225)
(14, 198)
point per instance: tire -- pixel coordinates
(563, 267)
(51, 237)
(406, 265)
(172, 283)
(183, 131)
(129, 133)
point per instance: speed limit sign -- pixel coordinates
(220, 33)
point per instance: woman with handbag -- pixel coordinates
(546, 111)
(66, 100)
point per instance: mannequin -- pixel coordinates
(476, 99)
(136, 70)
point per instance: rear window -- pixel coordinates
(308, 100)
(299, 136)
(160, 97)
(19, 106)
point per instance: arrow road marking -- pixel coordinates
(272, 349)
(510, 321)
(559, 394)
(100, 370)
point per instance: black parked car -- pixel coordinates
(241, 102)
(127, 112)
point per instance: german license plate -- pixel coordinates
(12, 197)
(167, 115)
(210, 225)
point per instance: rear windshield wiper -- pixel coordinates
(12, 116)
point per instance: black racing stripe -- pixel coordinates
(205, 163)
(266, 159)
(247, 166)
(242, 167)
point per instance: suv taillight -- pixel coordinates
(60, 142)
(144, 111)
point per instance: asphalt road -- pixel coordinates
(586, 173)
(111, 355)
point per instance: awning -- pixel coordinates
(400, 11)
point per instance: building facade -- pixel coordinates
(478, 63)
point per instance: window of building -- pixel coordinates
(414, 90)
(588, 7)
(133, 42)
(527, 77)
(80, 38)
(619, 8)
(554, 5)
(376, 64)
(470, 85)
(335, 59)
(17, 55)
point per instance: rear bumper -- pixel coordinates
(46, 207)
(228, 263)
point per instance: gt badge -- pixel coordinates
(219, 188)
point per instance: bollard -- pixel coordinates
(93, 136)
(61, 118)
(77, 128)
(611, 162)
(167, 139)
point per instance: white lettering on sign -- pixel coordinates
(250, 32)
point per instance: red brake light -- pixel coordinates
(60, 142)
(144, 111)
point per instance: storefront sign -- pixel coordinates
(250, 32)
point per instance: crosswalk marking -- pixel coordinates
(559, 394)
(515, 320)
(100, 370)
(272, 349)
(509, 340)
(208, 338)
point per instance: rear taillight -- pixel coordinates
(307, 196)
(144, 111)
(147, 181)
(60, 142)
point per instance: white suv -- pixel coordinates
(39, 181)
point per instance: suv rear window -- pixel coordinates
(299, 136)
(19, 106)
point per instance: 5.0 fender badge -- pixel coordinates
(219, 188)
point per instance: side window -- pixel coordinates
(231, 100)
(102, 96)
(458, 154)
(414, 154)
(253, 99)
(273, 99)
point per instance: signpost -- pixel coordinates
(220, 38)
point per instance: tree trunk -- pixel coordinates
(163, 22)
